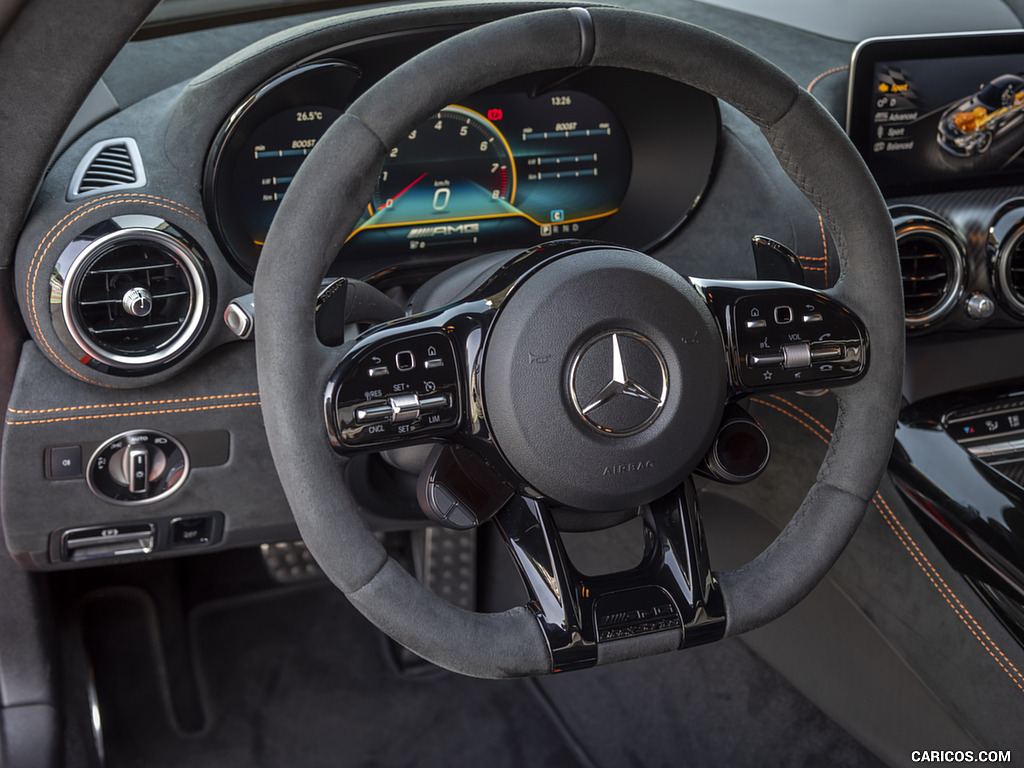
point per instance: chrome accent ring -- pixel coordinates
(917, 224)
(1003, 281)
(173, 247)
(186, 468)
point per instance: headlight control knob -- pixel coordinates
(138, 467)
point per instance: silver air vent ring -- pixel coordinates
(131, 295)
(932, 263)
(1006, 249)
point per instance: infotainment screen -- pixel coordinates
(937, 112)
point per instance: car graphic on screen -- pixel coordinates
(969, 126)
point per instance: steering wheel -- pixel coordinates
(575, 374)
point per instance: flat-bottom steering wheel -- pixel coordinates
(576, 375)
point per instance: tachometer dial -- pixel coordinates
(453, 166)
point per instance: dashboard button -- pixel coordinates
(783, 315)
(65, 461)
(404, 408)
(761, 361)
(191, 531)
(370, 413)
(796, 355)
(405, 360)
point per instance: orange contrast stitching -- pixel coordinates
(797, 419)
(136, 413)
(824, 245)
(40, 254)
(130, 405)
(826, 73)
(918, 556)
(801, 411)
(947, 593)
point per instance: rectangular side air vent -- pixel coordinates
(108, 166)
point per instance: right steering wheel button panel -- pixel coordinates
(790, 337)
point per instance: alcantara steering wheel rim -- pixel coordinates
(324, 203)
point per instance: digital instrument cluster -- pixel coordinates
(537, 158)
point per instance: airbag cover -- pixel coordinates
(604, 379)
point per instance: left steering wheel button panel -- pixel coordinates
(375, 403)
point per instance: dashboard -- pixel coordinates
(153, 433)
(147, 229)
(602, 154)
(150, 224)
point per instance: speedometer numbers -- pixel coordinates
(501, 169)
(453, 166)
(507, 168)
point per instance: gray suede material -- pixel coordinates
(704, 247)
(637, 647)
(39, 92)
(493, 645)
(321, 209)
(790, 119)
(210, 97)
(440, 75)
(45, 238)
(174, 130)
(922, 606)
(696, 56)
(814, 152)
(49, 409)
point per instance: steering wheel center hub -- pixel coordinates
(604, 379)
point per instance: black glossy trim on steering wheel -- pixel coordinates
(324, 203)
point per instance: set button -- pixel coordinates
(403, 388)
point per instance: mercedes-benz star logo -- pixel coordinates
(634, 396)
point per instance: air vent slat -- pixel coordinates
(132, 295)
(932, 268)
(110, 165)
(139, 268)
(108, 162)
(112, 175)
(136, 299)
(136, 328)
(98, 302)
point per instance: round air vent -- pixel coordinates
(1008, 266)
(932, 262)
(133, 295)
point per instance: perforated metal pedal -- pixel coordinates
(448, 565)
(289, 562)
